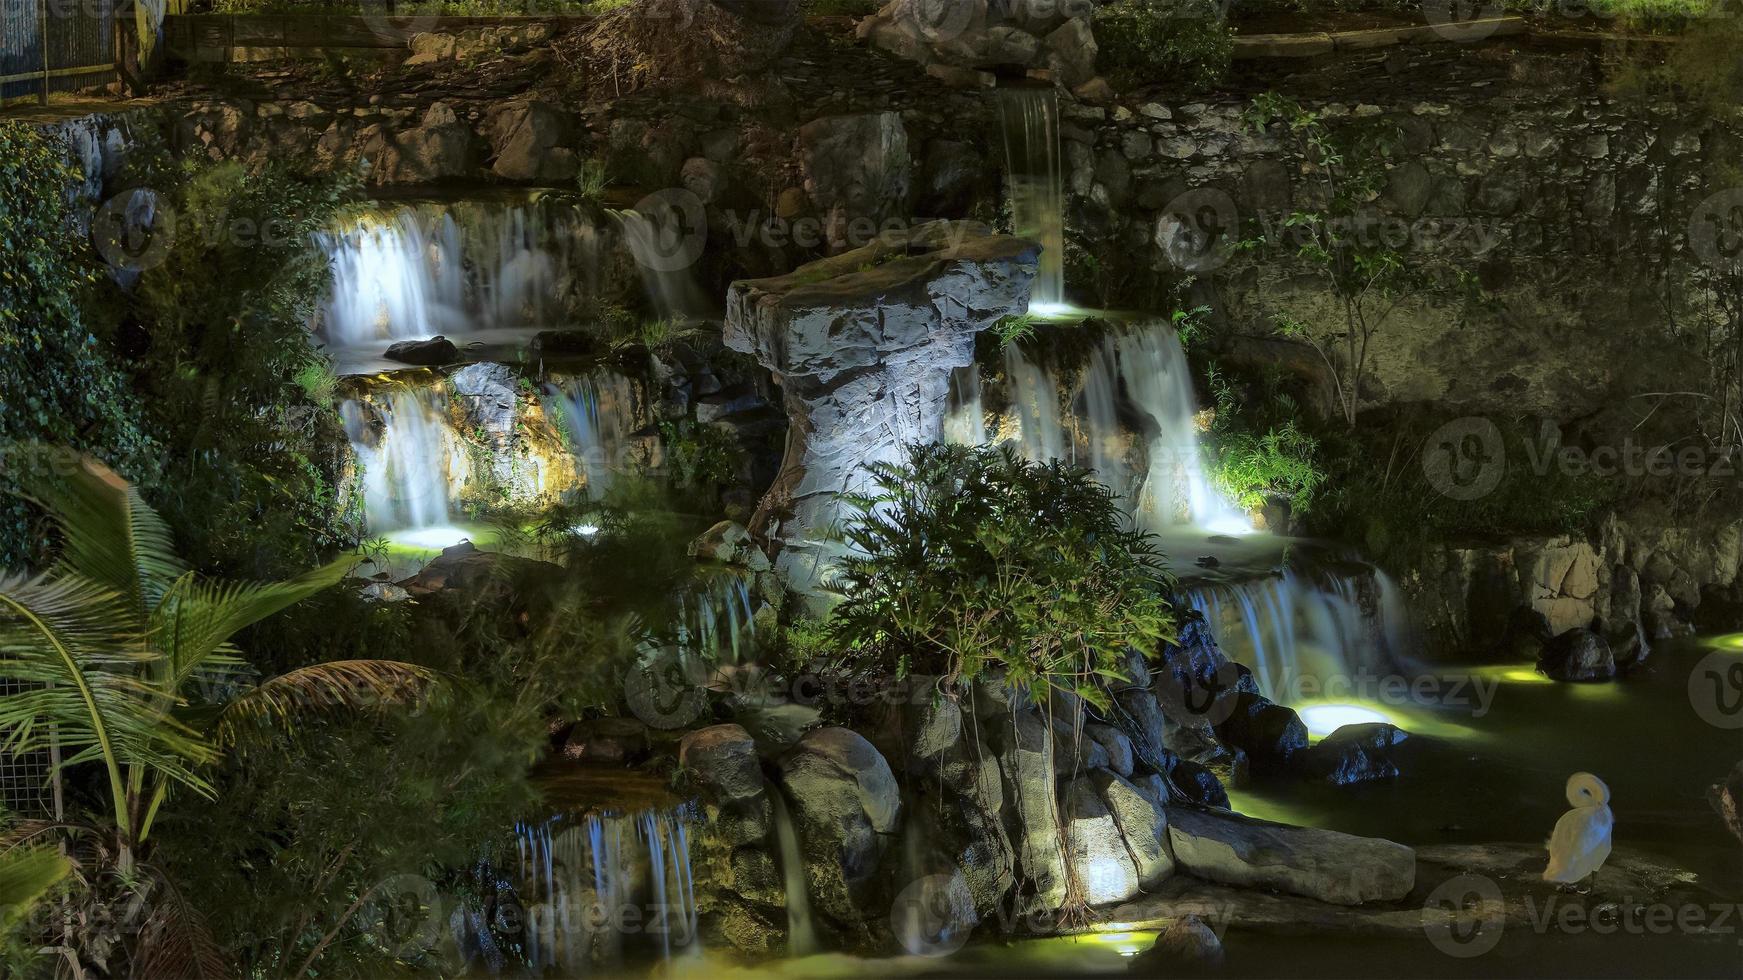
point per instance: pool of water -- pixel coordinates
(1490, 760)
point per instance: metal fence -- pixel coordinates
(55, 46)
(29, 785)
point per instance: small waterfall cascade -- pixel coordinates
(1305, 637)
(716, 620)
(598, 890)
(1030, 119)
(667, 267)
(1129, 416)
(599, 416)
(409, 463)
(801, 931)
(418, 270)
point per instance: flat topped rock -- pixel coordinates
(854, 309)
(1226, 847)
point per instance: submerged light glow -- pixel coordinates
(431, 538)
(1323, 719)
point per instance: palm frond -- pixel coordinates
(26, 875)
(342, 685)
(81, 680)
(109, 535)
(196, 619)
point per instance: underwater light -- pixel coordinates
(1731, 641)
(585, 530)
(1051, 309)
(1323, 719)
(441, 536)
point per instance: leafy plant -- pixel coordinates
(59, 379)
(1366, 276)
(592, 181)
(124, 659)
(969, 560)
(1015, 329)
(1259, 449)
(1143, 42)
(700, 456)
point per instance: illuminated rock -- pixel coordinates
(1332, 867)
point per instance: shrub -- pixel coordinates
(59, 382)
(973, 559)
(1259, 449)
(1148, 41)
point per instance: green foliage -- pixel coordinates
(229, 377)
(970, 559)
(1364, 273)
(699, 456)
(1147, 42)
(592, 181)
(59, 381)
(1015, 329)
(1259, 448)
(1377, 494)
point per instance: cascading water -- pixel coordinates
(668, 278)
(1139, 375)
(1030, 118)
(599, 415)
(801, 932)
(1305, 637)
(597, 890)
(425, 269)
(408, 465)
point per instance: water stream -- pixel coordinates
(801, 933)
(410, 469)
(1030, 118)
(600, 889)
(598, 412)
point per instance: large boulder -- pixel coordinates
(607, 741)
(1188, 947)
(1143, 824)
(1339, 868)
(533, 143)
(1579, 654)
(863, 345)
(1023, 744)
(433, 352)
(846, 806)
(441, 147)
(1099, 858)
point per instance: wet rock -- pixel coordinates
(1354, 754)
(1526, 635)
(1187, 946)
(440, 148)
(1579, 654)
(1193, 783)
(934, 720)
(607, 741)
(434, 352)
(1024, 750)
(1075, 751)
(845, 805)
(1268, 732)
(754, 874)
(721, 761)
(864, 344)
(1071, 52)
(464, 568)
(1727, 798)
(1322, 864)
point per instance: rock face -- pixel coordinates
(863, 345)
(1188, 946)
(529, 140)
(1048, 35)
(1269, 733)
(846, 807)
(1323, 864)
(857, 171)
(1727, 798)
(607, 741)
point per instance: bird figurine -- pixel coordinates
(1581, 841)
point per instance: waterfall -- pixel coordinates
(716, 618)
(425, 269)
(801, 933)
(667, 277)
(1300, 634)
(965, 420)
(598, 412)
(1030, 118)
(1139, 376)
(601, 887)
(408, 464)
